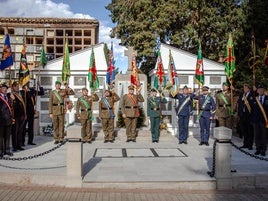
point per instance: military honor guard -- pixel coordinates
(184, 110)
(154, 112)
(29, 97)
(85, 115)
(206, 114)
(223, 106)
(260, 121)
(106, 114)
(20, 116)
(57, 109)
(6, 121)
(130, 111)
(244, 111)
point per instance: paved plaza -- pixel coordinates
(131, 171)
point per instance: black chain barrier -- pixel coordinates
(212, 172)
(249, 154)
(32, 157)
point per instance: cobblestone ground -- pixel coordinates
(27, 193)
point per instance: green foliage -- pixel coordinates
(139, 23)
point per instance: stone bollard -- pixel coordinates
(223, 157)
(74, 163)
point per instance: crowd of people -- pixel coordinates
(251, 108)
(17, 116)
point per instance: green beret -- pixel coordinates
(225, 84)
(57, 82)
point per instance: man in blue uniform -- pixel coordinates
(206, 114)
(184, 110)
(154, 112)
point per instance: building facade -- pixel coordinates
(51, 32)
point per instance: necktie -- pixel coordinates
(6, 97)
(261, 99)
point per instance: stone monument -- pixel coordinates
(122, 81)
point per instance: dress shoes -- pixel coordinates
(243, 147)
(31, 143)
(111, 141)
(89, 142)
(206, 143)
(180, 142)
(105, 141)
(263, 153)
(20, 148)
(9, 153)
(257, 153)
(133, 140)
(128, 140)
(201, 143)
(185, 142)
(56, 142)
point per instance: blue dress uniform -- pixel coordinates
(154, 112)
(184, 110)
(207, 110)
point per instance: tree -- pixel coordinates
(181, 22)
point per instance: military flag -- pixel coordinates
(6, 59)
(172, 77)
(24, 73)
(230, 59)
(110, 75)
(134, 77)
(160, 78)
(66, 72)
(92, 73)
(43, 58)
(199, 71)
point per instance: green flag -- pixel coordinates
(66, 72)
(230, 59)
(92, 73)
(160, 78)
(43, 58)
(199, 71)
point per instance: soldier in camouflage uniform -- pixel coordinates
(106, 114)
(223, 106)
(130, 112)
(57, 109)
(84, 114)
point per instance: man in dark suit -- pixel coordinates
(19, 115)
(6, 120)
(244, 109)
(260, 121)
(206, 114)
(29, 97)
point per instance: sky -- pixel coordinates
(73, 9)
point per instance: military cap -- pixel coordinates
(185, 87)
(153, 90)
(84, 89)
(131, 87)
(4, 85)
(225, 84)
(107, 90)
(15, 83)
(260, 86)
(57, 82)
(205, 88)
